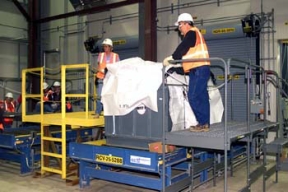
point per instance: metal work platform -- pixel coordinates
(74, 119)
(214, 139)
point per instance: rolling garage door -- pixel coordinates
(232, 46)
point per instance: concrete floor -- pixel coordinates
(10, 181)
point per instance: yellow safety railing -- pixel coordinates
(25, 95)
(62, 170)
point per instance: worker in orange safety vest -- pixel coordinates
(8, 105)
(193, 46)
(1, 120)
(56, 98)
(104, 58)
(47, 99)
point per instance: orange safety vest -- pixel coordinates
(198, 51)
(9, 108)
(46, 95)
(68, 105)
(103, 61)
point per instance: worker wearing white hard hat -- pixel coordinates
(47, 98)
(56, 84)
(56, 96)
(8, 106)
(9, 95)
(57, 91)
(45, 85)
(108, 42)
(56, 99)
(104, 58)
(193, 46)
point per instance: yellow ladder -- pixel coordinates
(46, 138)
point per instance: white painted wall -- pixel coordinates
(124, 23)
(13, 54)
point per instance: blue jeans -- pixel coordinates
(47, 107)
(99, 105)
(198, 94)
(7, 125)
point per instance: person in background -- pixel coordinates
(1, 120)
(193, 46)
(47, 98)
(104, 58)
(56, 97)
(8, 106)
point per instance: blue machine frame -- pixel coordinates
(122, 165)
(108, 159)
(141, 168)
(20, 148)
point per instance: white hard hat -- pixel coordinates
(9, 95)
(56, 84)
(184, 17)
(45, 85)
(107, 41)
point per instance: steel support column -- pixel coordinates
(148, 30)
(33, 39)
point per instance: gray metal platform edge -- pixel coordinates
(214, 139)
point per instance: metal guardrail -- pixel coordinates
(226, 73)
(248, 67)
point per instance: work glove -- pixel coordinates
(50, 92)
(166, 60)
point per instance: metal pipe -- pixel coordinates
(264, 158)
(10, 26)
(278, 104)
(273, 37)
(232, 99)
(163, 131)
(248, 73)
(192, 170)
(19, 60)
(159, 10)
(88, 11)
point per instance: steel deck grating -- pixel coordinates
(214, 139)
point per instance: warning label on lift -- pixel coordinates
(234, 77)
(203, 31)
(119, 42)
(223, 30)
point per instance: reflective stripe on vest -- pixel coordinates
(102, 63)
(9, 120)
(46, 96)
(198, 51)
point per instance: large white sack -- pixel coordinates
(130, 83)
(180, 111)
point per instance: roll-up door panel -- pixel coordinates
(241, 48)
